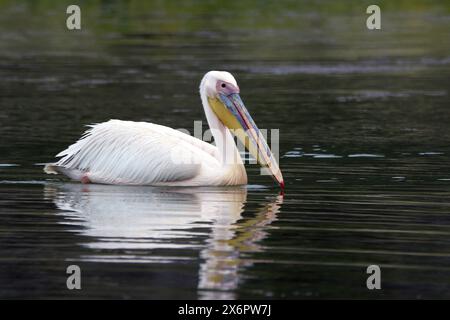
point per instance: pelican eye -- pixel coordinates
(223, 85)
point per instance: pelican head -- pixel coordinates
(222, 93)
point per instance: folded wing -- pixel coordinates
(140, 153)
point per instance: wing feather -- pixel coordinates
(127, 152)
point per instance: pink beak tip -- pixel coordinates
(282, 185)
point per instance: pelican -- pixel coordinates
(142, 153)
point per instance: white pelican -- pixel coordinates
(140, 153)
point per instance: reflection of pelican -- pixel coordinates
(133, 218)
(219, 273)
(138, 153)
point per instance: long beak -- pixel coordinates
(252, 139)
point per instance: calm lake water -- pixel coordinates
(364, 149)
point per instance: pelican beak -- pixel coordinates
(232, 112)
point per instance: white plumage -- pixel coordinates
(140, 153)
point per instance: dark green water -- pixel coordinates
(364, 131)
